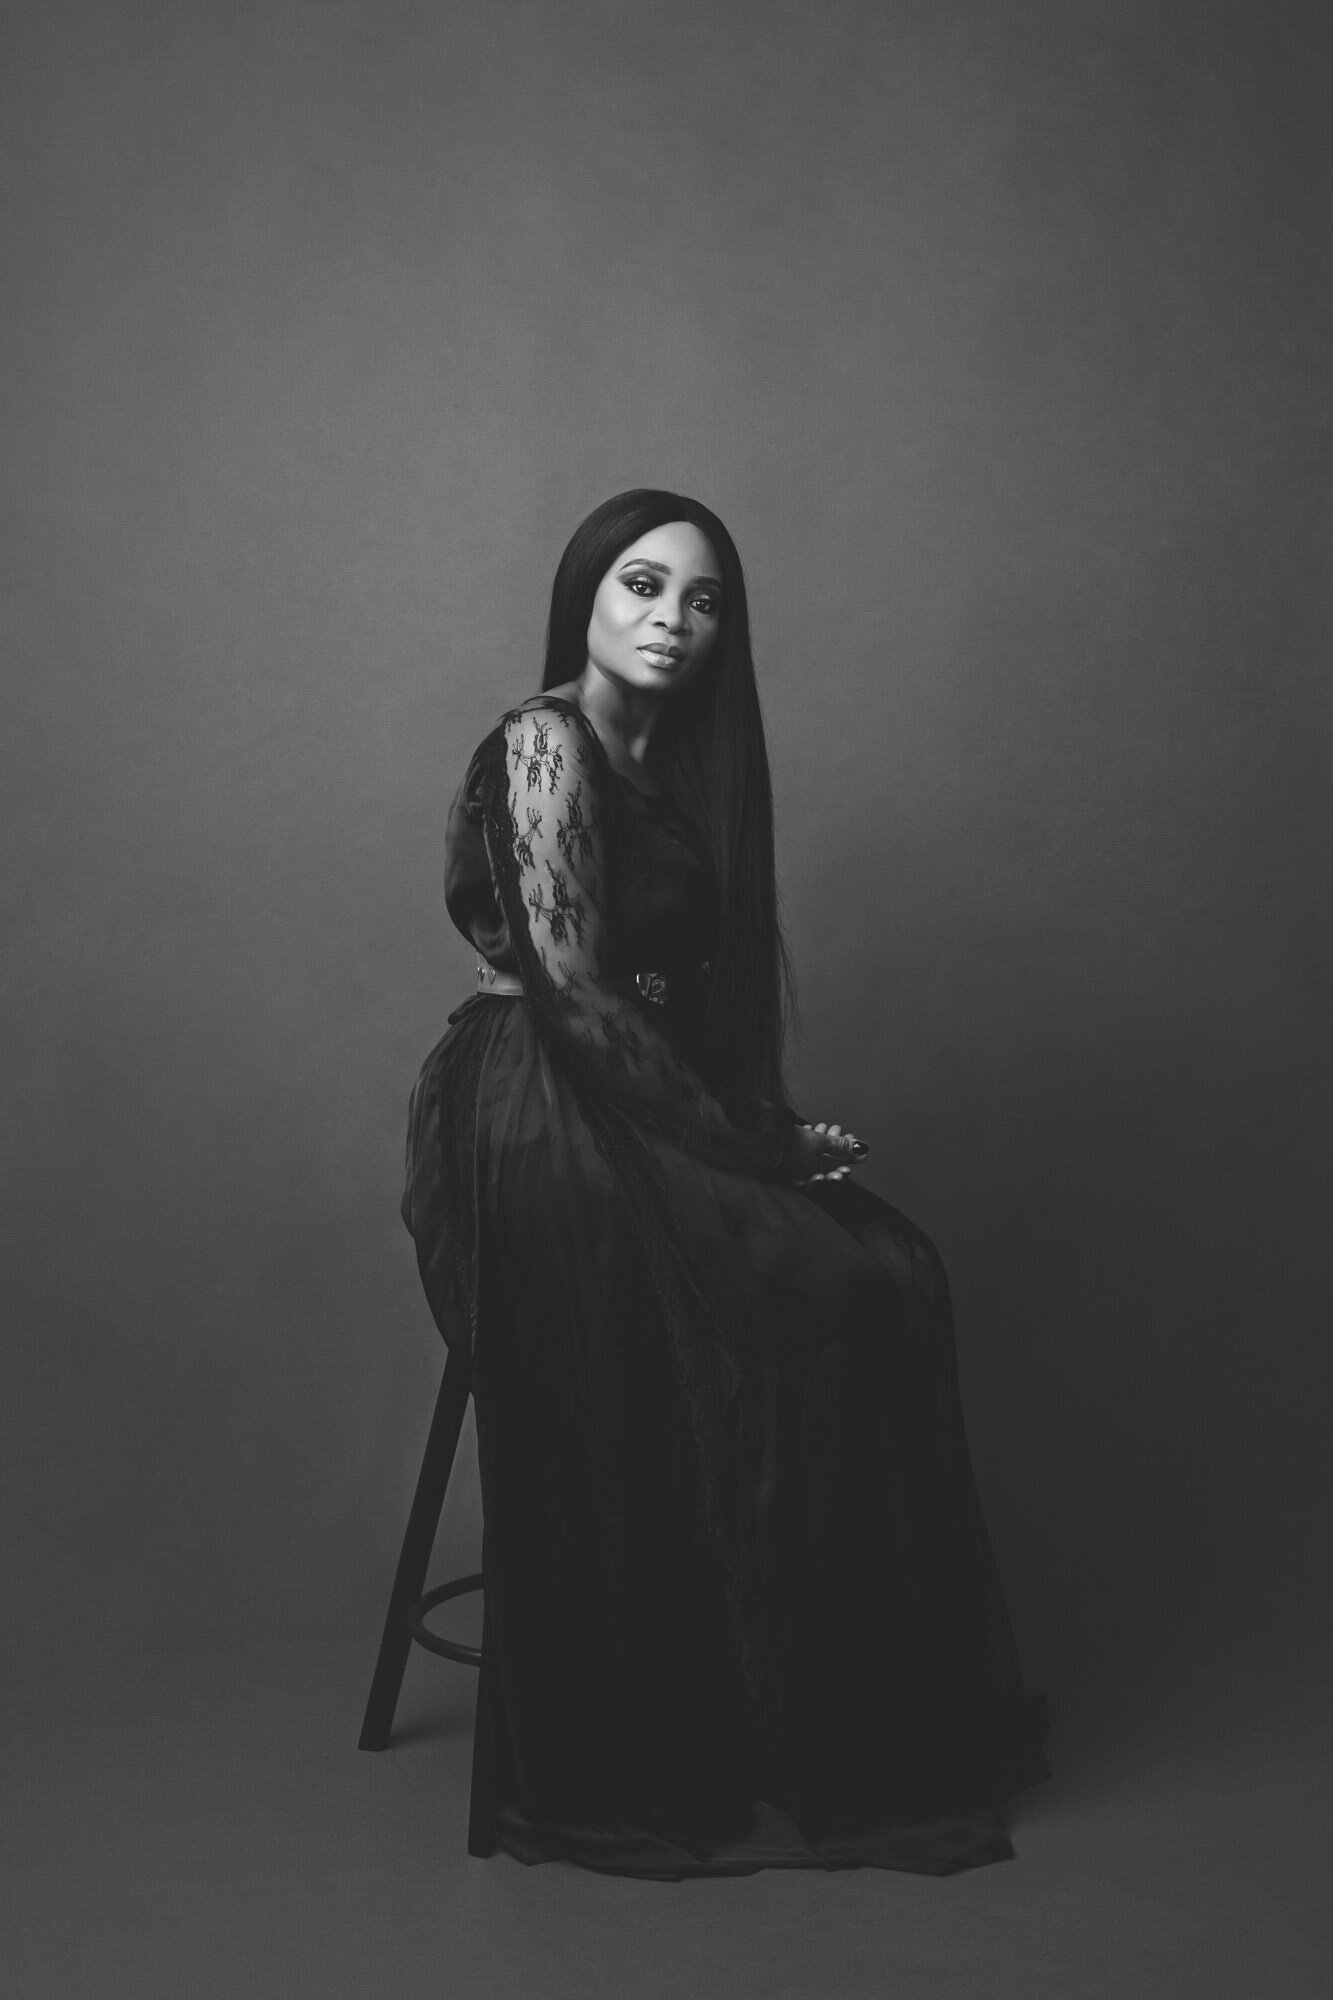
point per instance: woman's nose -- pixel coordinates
(671, 616)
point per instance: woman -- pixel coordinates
(741, 1610)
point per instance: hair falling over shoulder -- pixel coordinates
(711, 754)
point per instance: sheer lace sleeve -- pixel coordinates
(551, 828)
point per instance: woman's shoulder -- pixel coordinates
(548, 727)
(552, 702)
(553, 717)
(555, 709)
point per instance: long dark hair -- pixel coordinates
(710, 753)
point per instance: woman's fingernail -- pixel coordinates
(859, 1149)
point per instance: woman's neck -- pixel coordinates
(624, 718)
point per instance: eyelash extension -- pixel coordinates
(709, 604)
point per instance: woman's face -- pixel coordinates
(657, 610)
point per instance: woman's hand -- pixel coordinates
(824, 1153)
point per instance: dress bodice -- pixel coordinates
(662, 916)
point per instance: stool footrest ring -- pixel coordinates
(448, 1649)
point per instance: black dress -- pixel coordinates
(741, 1609)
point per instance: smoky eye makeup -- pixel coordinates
(705, 600)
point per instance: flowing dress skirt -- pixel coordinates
(741, 1607)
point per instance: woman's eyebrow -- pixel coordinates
(664, 569)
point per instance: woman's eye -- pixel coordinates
(704, 603)
(642, 586)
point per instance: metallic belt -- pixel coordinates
(500, 985)
(651, 986)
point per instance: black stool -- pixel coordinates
(407, 1606)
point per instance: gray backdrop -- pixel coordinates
(997, 332)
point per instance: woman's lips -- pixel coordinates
(663, 656)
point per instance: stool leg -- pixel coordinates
(422, 1522)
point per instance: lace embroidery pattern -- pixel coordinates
(537, 757)
(565, 913)
(523, 841)
(574, 835)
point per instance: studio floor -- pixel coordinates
(202, 1827)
